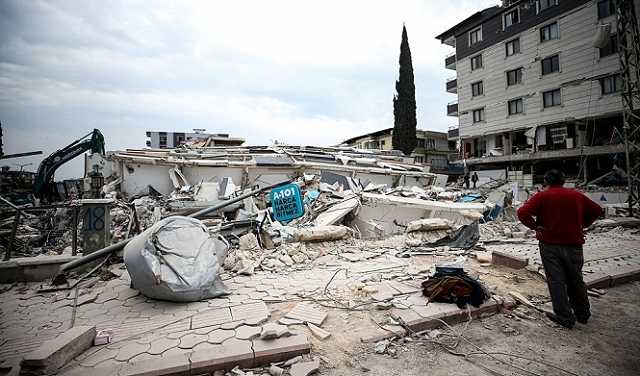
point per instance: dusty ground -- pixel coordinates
(608, 345)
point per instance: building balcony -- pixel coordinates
(452, 108)
(450, 61)
(453, 133)
(452, 85)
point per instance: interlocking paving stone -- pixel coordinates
(307, 313)
(161, 345)
(190, 340)
(98, 357)
(173, 365)
(231, 324)
(143, 356)
(211, 317)
(250, 311)
(248, 332)
(220, 335)
(206, 329)
(130, 350)
(177, 335)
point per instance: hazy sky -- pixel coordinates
(296, 71)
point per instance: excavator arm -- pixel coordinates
(93, 141)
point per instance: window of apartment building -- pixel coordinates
(610, 84)
(551, 98)
(512, 47)
(511, 18)
(431, 143)
(477, 89)
(162, 139)
(606, 8)
(558, 134)
(545, 4)
(498, 141)
(478, 115)
(420, 143)
(549, 32)
(475, 36)
(515, 106)
(550, 64)
(611, 47)
(514, 77)
(476, 62)
(419, 159)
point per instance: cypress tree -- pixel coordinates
(404, 102)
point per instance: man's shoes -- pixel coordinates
(554, 318)
(583, 320)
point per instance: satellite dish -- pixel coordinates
(601, 39)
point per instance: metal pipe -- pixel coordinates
(16, 208)
(12, 237)
(118, 246)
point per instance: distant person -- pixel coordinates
(558, 215)
(474, 179)
(466, 180)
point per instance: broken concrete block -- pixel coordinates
(55, 353)
(275, 371)
(279, 349)
(305, 368)
(307, 313)
(483, 257)
(321, 233)
(318, 332)
(508, 260)
(522, 299)
(287, 321)
(292, 361)
(273, 330)
(429, 224)
(381, 346)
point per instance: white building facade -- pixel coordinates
(533, 90)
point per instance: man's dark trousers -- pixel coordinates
(563, 269)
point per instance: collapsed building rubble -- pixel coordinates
(365, 243)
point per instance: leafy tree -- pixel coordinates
(404, 102)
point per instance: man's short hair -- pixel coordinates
(554, 177)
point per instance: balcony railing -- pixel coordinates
(453, 133)
(450, 61)
(452, 85)
(452, 109)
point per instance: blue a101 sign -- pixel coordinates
(286, 202)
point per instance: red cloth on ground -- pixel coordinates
(559, 214)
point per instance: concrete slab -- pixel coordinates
(281, 349)
(307, 313)
(222, 357)
(508, 260)
(55, 353)
(32, 269)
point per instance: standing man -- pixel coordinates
(474, 179)
(466, 180)
(558, 215)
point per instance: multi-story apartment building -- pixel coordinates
(533, 90)
(432, 148)
(170, 140)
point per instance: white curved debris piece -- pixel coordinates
(176, 259)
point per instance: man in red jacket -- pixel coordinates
(558, 215)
